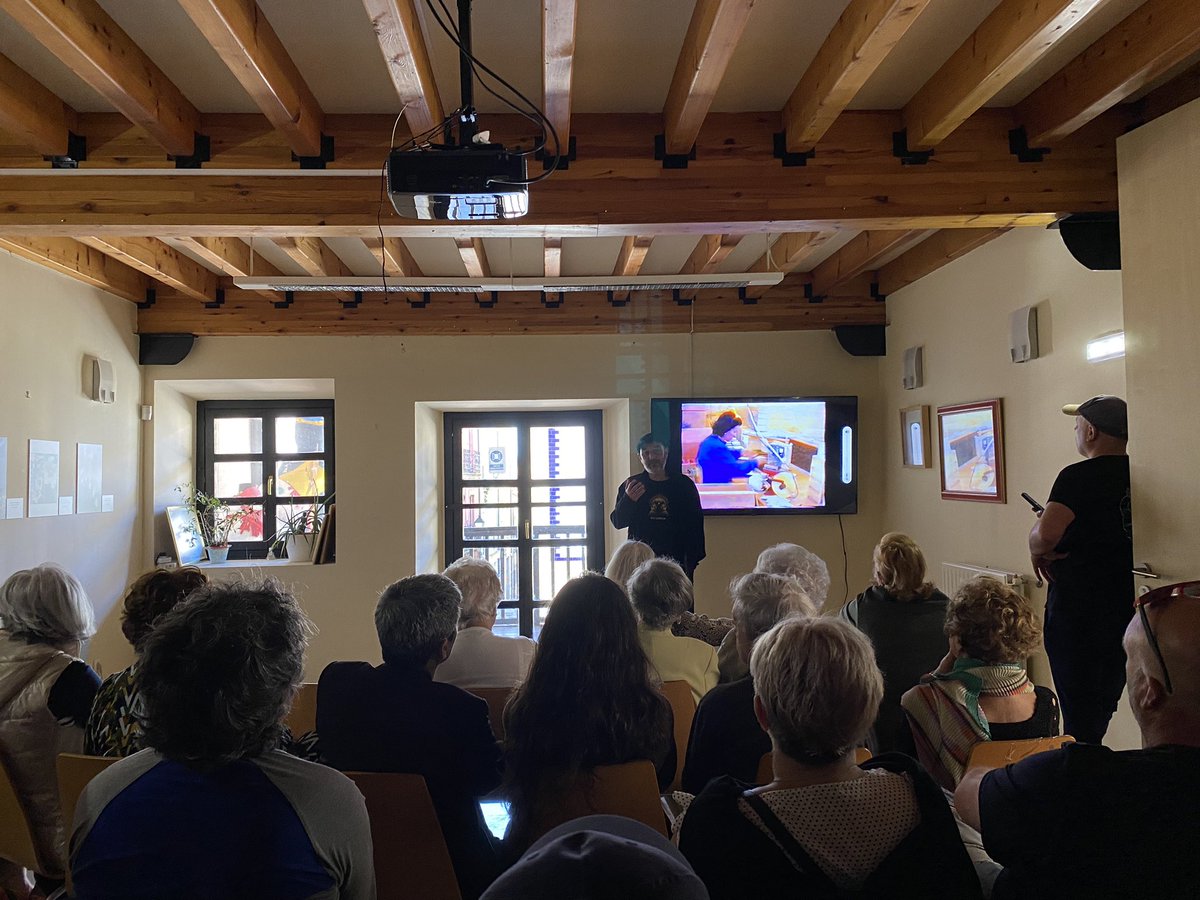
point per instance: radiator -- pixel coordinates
(955, 575)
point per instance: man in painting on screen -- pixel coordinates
(719, 463)
(660, 509)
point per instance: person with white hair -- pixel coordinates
(46, 693)
(480, 658)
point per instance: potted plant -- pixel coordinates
(217, 519)
(297, 533)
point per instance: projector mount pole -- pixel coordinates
(466, 118)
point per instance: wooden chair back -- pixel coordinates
(683, 706)
(766, 765)
(628, 789)
(411, 859)
(302, 717)
(997, 754)
(16, 835)
(496, 699)
(75, 770)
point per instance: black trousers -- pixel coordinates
(1088, 665)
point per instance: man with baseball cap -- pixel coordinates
(1083, 545)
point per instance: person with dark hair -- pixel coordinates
(46, 691)
(588, 701)
(114, 727)
(719, 462)
(210, 808)
(396, 718)
(661, 509)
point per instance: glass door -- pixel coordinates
(525, 492)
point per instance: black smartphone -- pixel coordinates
(1037, 507)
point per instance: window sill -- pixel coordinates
(256, 563)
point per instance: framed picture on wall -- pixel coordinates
(971, 445)
(914, 436)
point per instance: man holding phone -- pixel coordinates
(1082, 544)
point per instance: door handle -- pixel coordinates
(529, 531)
(1144, 571)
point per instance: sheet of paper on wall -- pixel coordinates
(106, 503)
(15, 508)
(89, 473)
(66, 506)
(3, 476)
(43, 478)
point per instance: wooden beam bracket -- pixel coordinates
(353, 304)
(76, 153)
(201, 153)
(487, 304)
(218, 302)
(671, 160)
(790, 159)
(1018, 146)
(908, 157)
(419, 304)
(614, 302)
(746, 299)
(288, 298)
(564, 160)
(875, 293)
(680, 300)
(317, 162)
(552, 304)
(149, 301)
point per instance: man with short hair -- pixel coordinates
(1087, 821)
(1083, 544)
(661, 509)
(396, 718)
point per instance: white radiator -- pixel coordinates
(955, 575)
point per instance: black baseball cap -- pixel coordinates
(1105, 412)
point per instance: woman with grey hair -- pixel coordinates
(480, 658)
(46, 692)
(660, 592)
(824, 826)
(631, 554)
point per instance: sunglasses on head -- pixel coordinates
(1162, 596)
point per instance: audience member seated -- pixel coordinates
(1086, 821)
(479, 658)
(903, 615)
(589, 701)
(660, 590)
(980, 691)
(791, 561)
(211, 808)
(46, 692)
(824, 827)
(396, 718)
(726, 739)
(114, 727)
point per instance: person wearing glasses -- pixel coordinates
(1087, 821)
(1082, 544)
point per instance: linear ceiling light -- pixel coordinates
(592, 283)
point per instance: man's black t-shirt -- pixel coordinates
(1087, 821)
(668, 517)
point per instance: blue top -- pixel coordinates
(719, 464)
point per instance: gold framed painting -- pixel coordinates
(971, 447)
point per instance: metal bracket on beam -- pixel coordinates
(679, 299)
(76, 153)
(790, 159)
(613, 301)
(552, 304)
(746, 299)
(151, 296)
(564, 160)
(810, 296)
(908, 157)
(671, 160)
(355, 303)
(875, 295)
(1018, 146)
(488, 304)
(220, 301)
(201, 153)
(317, 162)
(288, 298)
(419, 304)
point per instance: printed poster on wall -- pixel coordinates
(89, 473)
(43, 478)
(3, 477)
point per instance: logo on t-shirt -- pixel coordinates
(659, 507)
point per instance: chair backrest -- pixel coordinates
(411, 859)
(766, 765)
(496, 698)
(302, 717)
(16, 837)
(996, 754)
(683, 707)
(628, 789)
(74, 772)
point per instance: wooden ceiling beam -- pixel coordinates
(1016, 35)
(393, 254)
(231, 256)
(1153, 39)
(861, 39)
(931, 254)
(711, 250)
(314, 256)
(632, 255)
(474, 257)
(552, 257)
(558, 64)
(82, 263)
(249, 46)
(161, 262)
(85, 38)
(32, 113)
(712, 36)
(407, 57)
(860, 255)
(789, 253)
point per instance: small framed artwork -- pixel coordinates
(914, 436)
(971, 444)
(185, 532)
(43, 478)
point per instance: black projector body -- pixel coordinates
(458, 183)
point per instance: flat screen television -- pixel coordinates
(764, 455)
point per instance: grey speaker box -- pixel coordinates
(914, 368)
(103, 388)
(1022, 334)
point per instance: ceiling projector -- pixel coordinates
(474, 182)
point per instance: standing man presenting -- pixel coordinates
(661, 510)
(1083, 545)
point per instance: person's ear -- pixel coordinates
(760, 713)
(1148, 693)
(444, 650)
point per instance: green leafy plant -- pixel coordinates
(216, 517)
(302, 522)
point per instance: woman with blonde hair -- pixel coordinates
(903, 615)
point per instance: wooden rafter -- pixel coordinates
(474, 257)
(83, 263)
(710, 252)
(931, 254)
(1015, 36)
(229, 255)
(314, 256)
(249, 46)
(789, 253)
(712, 36)
(862, 38)
(393, 254)
(1153, 39)
(552, 257)
(632, 255)
(161, 262)
(558, 62)
(85, 37)
(860, 255)
(33, 113)
(403, 44)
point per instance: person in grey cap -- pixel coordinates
(1082, 544)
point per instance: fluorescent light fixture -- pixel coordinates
(593, 283)
(1107, 346)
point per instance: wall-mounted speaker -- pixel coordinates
(914, 368)
(1022, 334)
(103, 388)
(1094, 239)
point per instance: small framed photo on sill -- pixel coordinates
(914, 436)
(971, 445)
